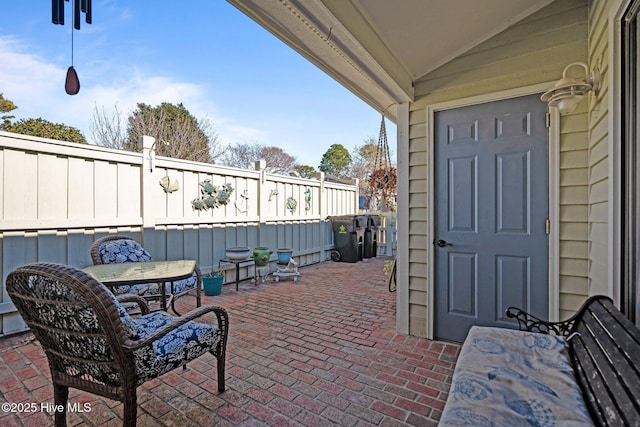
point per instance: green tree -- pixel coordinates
(305, 171)
(46, 129)
(178, 134)
(336, 161)
(6, 106)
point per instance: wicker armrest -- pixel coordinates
(529, 322)
(221, 314)
(142, 303)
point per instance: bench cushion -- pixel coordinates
(505, 377)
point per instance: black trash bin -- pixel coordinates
(371, 236)
(348, 237)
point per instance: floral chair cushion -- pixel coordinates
(147, 289)
(180, 286)
(505, 377)
(70, 320)
(143, 289)
(122, 251)
(184, 343)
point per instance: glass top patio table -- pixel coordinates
(132, 273)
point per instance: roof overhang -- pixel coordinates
(378, 48)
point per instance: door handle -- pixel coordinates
(443, 243)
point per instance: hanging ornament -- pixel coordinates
(57, 12)
(72, 83)
(383, 179)
(383, 159)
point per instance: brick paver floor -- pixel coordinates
(322, 351)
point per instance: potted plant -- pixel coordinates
(284, 255)
(212, 282)
(261, 256)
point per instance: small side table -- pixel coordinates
(247, 261)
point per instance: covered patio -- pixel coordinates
(321, 351)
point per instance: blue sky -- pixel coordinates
(206, 54)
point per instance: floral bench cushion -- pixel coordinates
(184, 343)
(505, 377)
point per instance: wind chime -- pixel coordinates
(71, 84)
(383, 179)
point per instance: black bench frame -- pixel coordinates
(604, 348)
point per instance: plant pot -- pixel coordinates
(212, 284)
(284, 255)
(238, 253)
(261, 256)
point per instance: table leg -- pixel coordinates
(172, 300)
(237, 275)
(164, 294)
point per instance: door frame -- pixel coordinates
(554, 192)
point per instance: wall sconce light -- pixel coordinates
(568, 91)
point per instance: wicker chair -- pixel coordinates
(119, 249)
(92, 344)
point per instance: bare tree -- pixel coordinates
(241, 156)
(363, 163)
(107, 130)
(245, 155)
(377, 179)
(278, 161)
(216, 148)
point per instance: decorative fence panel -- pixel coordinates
(56, 198)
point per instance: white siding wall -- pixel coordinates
(531, 52)
(599, 180)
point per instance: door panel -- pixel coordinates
(491, 181)
(462, 284)
(513, 193)
(463, 193)
(513, 281)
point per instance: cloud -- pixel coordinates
(25, 76)
(36, 86)
(232, 133)
(35, 83)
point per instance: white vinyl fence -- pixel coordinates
(56, 198)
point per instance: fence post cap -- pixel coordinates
(146, 142)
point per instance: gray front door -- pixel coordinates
(491, 208)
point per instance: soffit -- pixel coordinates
(378, 48)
